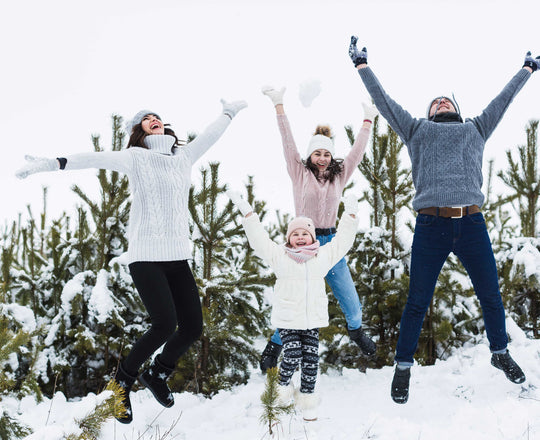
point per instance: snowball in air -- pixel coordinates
(308, 91)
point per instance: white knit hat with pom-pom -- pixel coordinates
(320, 142)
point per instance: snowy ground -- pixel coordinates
(461, 398)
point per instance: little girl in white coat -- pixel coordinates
(300, 303)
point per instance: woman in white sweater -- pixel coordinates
(159, 172)
(300, 303)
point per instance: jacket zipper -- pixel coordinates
(307, 290)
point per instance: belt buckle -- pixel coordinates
(461, 208)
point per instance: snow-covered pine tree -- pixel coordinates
(378, 259)
(231, 290)
(519, 269)
(26, 271)
(272, 408)
(17, 328)
(523, 178)
(498, 218)
(88, 332)
(10, 345)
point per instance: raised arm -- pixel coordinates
(295, 167)
(109, 160)
(399, 119)
(201, 144)
(257, 236)
(358, 149)
(346, 231)
(488, 120)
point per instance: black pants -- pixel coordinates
(170, 295)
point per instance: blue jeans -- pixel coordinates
(434, 239)
(340, 281)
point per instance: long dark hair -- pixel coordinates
(335, 167)
(138, 135)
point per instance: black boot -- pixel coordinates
(365, 343)
(400, 385)
(126, 381)
(505, 363)
(155, 379)
(270, 355)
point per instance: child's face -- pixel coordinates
(300, 237)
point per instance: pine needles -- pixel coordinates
(272, 408)
(92, 423)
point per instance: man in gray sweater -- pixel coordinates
(446, 155)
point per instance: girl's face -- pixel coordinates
(151, 124)
(321, 159)
(300, 237)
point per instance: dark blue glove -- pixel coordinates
(357, 56)
(533, 63)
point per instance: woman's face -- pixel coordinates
(300, 237)
(151, 124)
(321, 159)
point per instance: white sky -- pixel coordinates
(68, 66)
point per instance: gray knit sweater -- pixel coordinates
(446, 157)
(159, 181)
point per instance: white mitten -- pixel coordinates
(36, 165)
(370, 111)
(350, 203)
(276, 96)
(243, 206)
(232, 108)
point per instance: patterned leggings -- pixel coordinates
(300, 347)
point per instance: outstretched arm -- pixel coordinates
(109, 160)
(398, 118)
(488, 120)
(202, 143)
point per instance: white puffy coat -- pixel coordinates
(300, 301)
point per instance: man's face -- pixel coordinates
(445, 106)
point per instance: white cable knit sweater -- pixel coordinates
(159, 182)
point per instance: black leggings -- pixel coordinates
(300, 348)
(170, 295)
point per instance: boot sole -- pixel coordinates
(147, 385)
(401, 400)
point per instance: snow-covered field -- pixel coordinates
(461, 398)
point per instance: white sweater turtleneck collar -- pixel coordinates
(160, 143)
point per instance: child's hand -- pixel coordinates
(350, 203)
(243, 206)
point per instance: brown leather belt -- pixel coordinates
(450, 212)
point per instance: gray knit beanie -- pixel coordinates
(137, 120)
